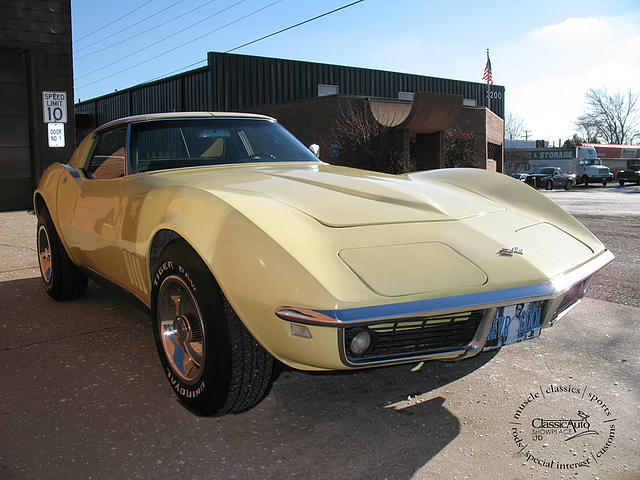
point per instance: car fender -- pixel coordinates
(514, 196)
(255, 272)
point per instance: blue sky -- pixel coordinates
(545, 53)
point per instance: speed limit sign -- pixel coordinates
(54, 107)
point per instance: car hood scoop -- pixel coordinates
(343, 197)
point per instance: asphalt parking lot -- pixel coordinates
(83, 395)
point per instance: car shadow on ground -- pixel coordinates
(96, 354)
(359, 424)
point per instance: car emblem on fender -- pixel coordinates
(508, 252)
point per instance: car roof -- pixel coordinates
(181, 115)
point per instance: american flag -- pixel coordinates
(488, 76)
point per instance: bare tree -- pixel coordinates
(588, 130)
(614, 116)
(363, 142)
(516, 161)
(458, 149)
(514, 126)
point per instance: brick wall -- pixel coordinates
(486, 127)
(311, 121)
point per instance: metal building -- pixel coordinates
(232, 82)
(36, 85)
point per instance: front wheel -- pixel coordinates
(212, 362)
(569, 185)
(585, 180)
(549, 185)
(604, 183)
(621, 183)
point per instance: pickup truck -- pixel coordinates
(551, 177)
(631, 174)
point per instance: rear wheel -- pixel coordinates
(604, 183)
(62, 280)
(621, 183)
(212, 362)
(549, 185)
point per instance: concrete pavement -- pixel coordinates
(83, 396)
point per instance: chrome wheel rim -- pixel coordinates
(44, 254)
(181, 329)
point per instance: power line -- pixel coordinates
(254, 41)
(148, 30)
(293, 26)
(161, 40)
(175, 71)
(184, 44)
(126, 28)
(112, 22)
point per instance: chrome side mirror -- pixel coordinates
(315, 149)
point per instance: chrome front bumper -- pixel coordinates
(560, 295)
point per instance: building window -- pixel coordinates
(406, 96)
(324, 90)
(469, 102)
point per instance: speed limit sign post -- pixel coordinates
(54, 107)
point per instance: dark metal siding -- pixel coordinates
(243, 81)
(15, 162)
(233, 82)
(35, 39)
(189, 91)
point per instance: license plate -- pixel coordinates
(515, 323)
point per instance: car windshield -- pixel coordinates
(593, 161)
(167, 144)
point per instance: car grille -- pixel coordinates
(415, 337)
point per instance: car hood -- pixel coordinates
(340, 196)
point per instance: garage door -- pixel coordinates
(15, 160)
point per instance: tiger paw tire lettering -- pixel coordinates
(211, 361)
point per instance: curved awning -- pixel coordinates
(428, 113)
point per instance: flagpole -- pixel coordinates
(488, 85)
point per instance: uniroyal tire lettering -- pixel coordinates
(185, 392)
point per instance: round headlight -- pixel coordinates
(361, 341)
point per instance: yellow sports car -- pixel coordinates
(246, 248)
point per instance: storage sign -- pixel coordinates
(54, 107)
(553, 154)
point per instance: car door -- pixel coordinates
(91, 199)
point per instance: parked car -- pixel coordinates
(551, 177)
(631, 174)
(246, 248)
(520, 176)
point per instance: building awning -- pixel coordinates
(428, 113)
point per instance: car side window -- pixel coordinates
(110, 155)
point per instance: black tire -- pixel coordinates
(585, 180)
(62, 279)
(549, 185)
(621, 183)
(604, 183)
(223, 368)
(569, 185)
